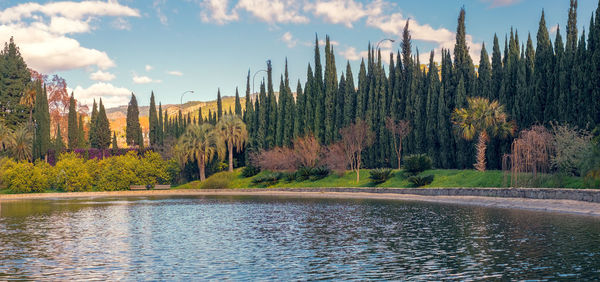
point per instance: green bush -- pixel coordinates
(218, 180)
(319, 172)
(72, 174)
(250, 170)
(303, 173)
(118, 173)
(380, 175)
(267, 179)
(416, 164)
(152, 169)
(418, 181)
(24, 177)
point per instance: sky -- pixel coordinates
(112, 48)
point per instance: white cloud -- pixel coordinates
(344, 12)
(554, 29)
(175, 73)
(42, 33)
(67, 9)
(215, 11)
(351, 54)
(111, 95)
(121, 23)
(158, 4)
(289, 40)
(501, 3)
(144, 79)
(148, 67)
(102, 76)
(273, 11)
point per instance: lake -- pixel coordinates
(279, 238)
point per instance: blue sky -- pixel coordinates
(112, 48)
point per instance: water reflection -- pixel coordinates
(245, 238)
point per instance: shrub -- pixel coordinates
(303, 173)
(24, 177)
(288, 176)
(218, 180)
(572, 146)
(118, 173)
(72, 174)
(267, 179)
(319, 172)
(380, 175)
(416, 164)
(418, 181)
(250, 170)
(152, 169)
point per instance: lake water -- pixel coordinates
(270, 238)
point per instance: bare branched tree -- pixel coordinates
(355, 138)
(400, 129)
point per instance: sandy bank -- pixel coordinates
(547, 205)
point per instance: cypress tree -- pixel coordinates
(340, 104)
(153, 122)
(431, 128)
(81, 133)
(161, 128)
(133, 131)
(484, 79)
(318, 95)
(361, 94)
(238, 104)
(271, 108)
(290, 109)
(543, 74)
(59, 144)
(560, 95)
(529, 118)
(103, 128)
(219, 105)
(497, 70)
(280, 122)
(349, 98)
(72, 124)
(331, 89)
(309, 111)
(248, 100)
(262, 116)
(443, 132)
(92, 136)
(115, 146)
(42, 119)
(299, 125)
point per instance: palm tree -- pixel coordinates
(484, 119)
(233, 132)
(20, 143)
(28, 99)
(201, 143)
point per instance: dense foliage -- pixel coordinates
(380, 175)
(73, 173)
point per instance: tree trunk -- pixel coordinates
(230, 148)
(399, 153)
(481, 146)
(358, 168)
(201, 168)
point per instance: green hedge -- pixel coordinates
(73, 174)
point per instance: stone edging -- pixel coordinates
(586, 195)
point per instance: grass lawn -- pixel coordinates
(442, 178)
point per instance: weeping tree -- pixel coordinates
(201, 143)
(233, 132)
(482, 119)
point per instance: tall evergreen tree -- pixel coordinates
(484, 78)
(133, 131)
(219, 104)
(238, 104)
(330, 91)
(72, 124)
(81, 133)
(299, 116)
(545, 110)
(42, 120)
(14, 78)
(153, 122)
(93, 136)
(115, 144)
(103, 128)
(161, 128)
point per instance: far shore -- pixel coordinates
(557, 206)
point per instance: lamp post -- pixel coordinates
(181, 99)
(254, 76)
(382, 40)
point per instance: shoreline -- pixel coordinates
(544, 205)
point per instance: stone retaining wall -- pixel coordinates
(587, 195)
